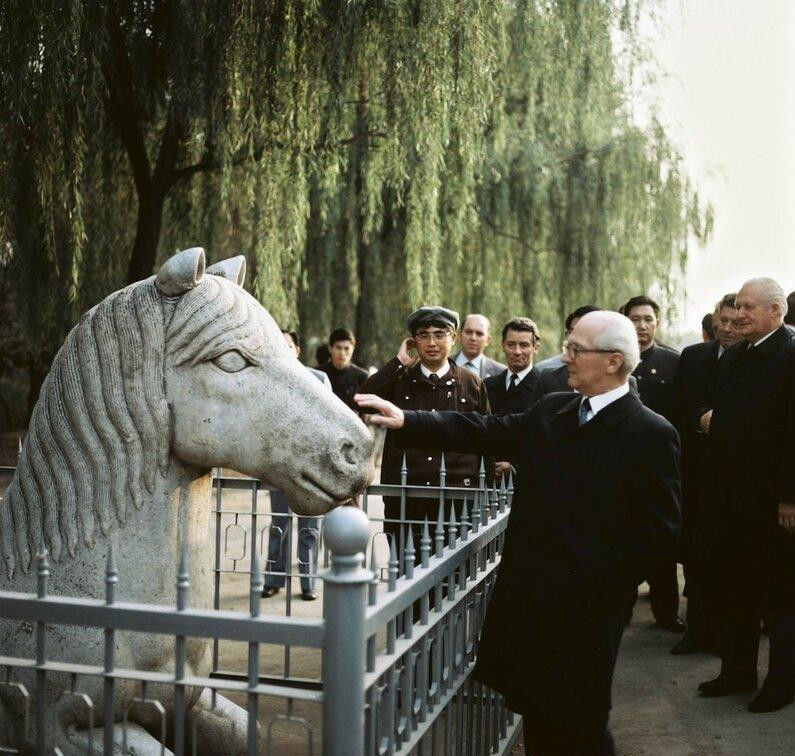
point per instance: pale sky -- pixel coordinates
(731, 105)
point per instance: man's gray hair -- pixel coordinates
(617, 334)
(771, 290)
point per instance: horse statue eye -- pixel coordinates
(231, 361)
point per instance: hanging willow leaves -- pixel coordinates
(366, 157)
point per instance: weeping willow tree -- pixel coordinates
(366, 157)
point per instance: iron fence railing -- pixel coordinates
(385, 659)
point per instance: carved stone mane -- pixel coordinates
(100, 430)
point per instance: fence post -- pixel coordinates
(344, 593)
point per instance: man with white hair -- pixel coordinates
(596, 503)
(750, 422)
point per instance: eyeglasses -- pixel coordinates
(428, 335)
(573, 351)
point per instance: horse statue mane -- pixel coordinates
(100, 430)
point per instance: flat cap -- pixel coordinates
(432, 316)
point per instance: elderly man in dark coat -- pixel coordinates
(750, 422)
(596, 502)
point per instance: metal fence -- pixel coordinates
(392, 648)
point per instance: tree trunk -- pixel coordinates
(147, 235)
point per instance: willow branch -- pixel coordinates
(208, 164)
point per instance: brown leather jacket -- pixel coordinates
(408, 388)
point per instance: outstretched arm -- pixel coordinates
(468, 432)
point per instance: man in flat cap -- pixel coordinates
(432, 382)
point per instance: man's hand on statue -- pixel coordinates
(501, 468)
(382, 412)
(786, 516)
(403, 353)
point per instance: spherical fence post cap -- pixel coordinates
(347, 531)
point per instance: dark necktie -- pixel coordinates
(512, 384)
(433, 378)
(585, 408)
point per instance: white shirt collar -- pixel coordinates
(600, 401)
(443, 370)
(766, 336)
(461, 360)
(519, 376)
(720, 351)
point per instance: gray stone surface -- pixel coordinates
(156, 385)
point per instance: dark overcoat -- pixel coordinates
(655, 375)
(751, 458)
(694, 375)
(593, 507)
(504, 402)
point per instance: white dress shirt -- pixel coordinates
(600, 401)
(443, 370)
(519, 376)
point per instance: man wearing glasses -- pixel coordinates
(597, 501)
(432, 382)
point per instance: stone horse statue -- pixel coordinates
(156, 385)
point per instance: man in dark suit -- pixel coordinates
(655, 376)
(697, 365)
(475, 337)
(596, 502)
(511, 391)
(750, 422)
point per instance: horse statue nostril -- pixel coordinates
(348, 450)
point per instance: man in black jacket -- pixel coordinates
(697, 365)
(345, 377)
(596, 502)
(511, 391)
(750, 422)
(655, 376)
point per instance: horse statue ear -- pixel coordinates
(234, 269)
(181, 273)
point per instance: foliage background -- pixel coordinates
(366, 157)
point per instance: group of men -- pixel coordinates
(611, 443)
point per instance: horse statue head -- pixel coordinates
(182, 370)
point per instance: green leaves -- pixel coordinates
(366, 157)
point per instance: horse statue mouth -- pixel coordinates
(322, 492)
